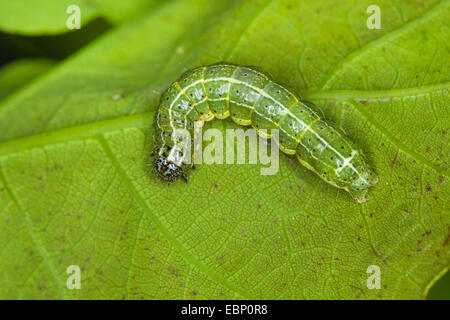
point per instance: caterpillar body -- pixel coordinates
(250, 97)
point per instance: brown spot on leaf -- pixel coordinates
(173, 271)
(193, 293)
(446, 241)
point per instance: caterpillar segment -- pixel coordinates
(250, 97)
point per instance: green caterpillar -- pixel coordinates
(250, 97)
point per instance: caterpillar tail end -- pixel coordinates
(361, 187)
(359, 196)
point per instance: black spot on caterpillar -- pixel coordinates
(250, 96)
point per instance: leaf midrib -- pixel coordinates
(372, 95)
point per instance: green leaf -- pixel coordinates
(16, 74)
(49, 16)
(76, 189)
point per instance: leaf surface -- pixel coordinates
(18, 73)
(45, 17)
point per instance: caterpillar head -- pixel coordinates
(167, 170)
